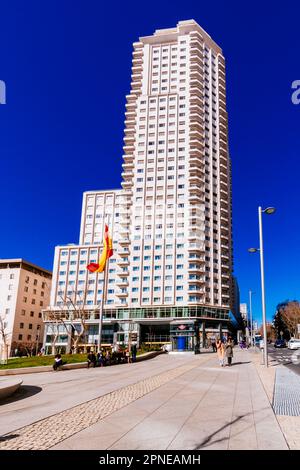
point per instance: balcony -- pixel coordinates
(192, 257)
(135, 85)
(194, 199)
(197, 247)
(123, 252)
(128, 159)
(122, 282)
(122, 293)
(196, 279)
(128, 166)
(123, 262)
(195, 179)
(195, 290)
(129, 139)
(195, 88)
(126, 184)
(123, 272)
(124, 231)
(195, 267)
(124, 241)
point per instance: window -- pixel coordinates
(20, 337)
(21, 326)
(30, 326)
(12, 276)
(32, 313)
(9, 297)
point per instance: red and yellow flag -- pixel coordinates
(106, 253)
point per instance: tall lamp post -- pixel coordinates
(268, 210)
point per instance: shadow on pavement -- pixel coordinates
(238, 363)
(208, 440)
(8, 438)
(25, 391)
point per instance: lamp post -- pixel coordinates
(269, 211)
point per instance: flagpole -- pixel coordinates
(101, 310)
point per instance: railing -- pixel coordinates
(157, 338)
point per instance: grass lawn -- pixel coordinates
(41, 361)
(16, 363)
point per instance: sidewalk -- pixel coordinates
(191, 403)
(207, 407)
(290, 425)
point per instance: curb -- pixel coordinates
(76, 365)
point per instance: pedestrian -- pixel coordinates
(133, 352)
(127, 355)
(57, 362)
(100, 360)
(91, 359)
(229, 350)
(107, 358)
(220, 351)
(213, 344)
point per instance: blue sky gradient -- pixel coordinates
(66, 65)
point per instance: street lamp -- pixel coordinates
(269, 211)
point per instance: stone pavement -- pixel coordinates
(171, 402)
(290, 425)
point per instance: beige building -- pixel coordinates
(171, 221)
(24, 292)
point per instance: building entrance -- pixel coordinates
(183, 335)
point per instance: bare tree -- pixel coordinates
(55, 322)
(4, 335)
(29, 347)
(291, 317)
(73, 317)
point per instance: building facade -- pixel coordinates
(171, 273)
(24, 292)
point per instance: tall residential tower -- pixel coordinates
(171, 221)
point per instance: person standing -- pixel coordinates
(220, 351)
(133, 352)
(229, 350)
(213, 345)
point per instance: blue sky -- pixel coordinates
(66, 64)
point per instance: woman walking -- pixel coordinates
(220, 352)
(229, 350)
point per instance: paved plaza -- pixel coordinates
(170, 402)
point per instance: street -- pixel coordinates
(284, 356)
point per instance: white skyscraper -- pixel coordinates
(171, 223)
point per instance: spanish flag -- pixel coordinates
(106, 253)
